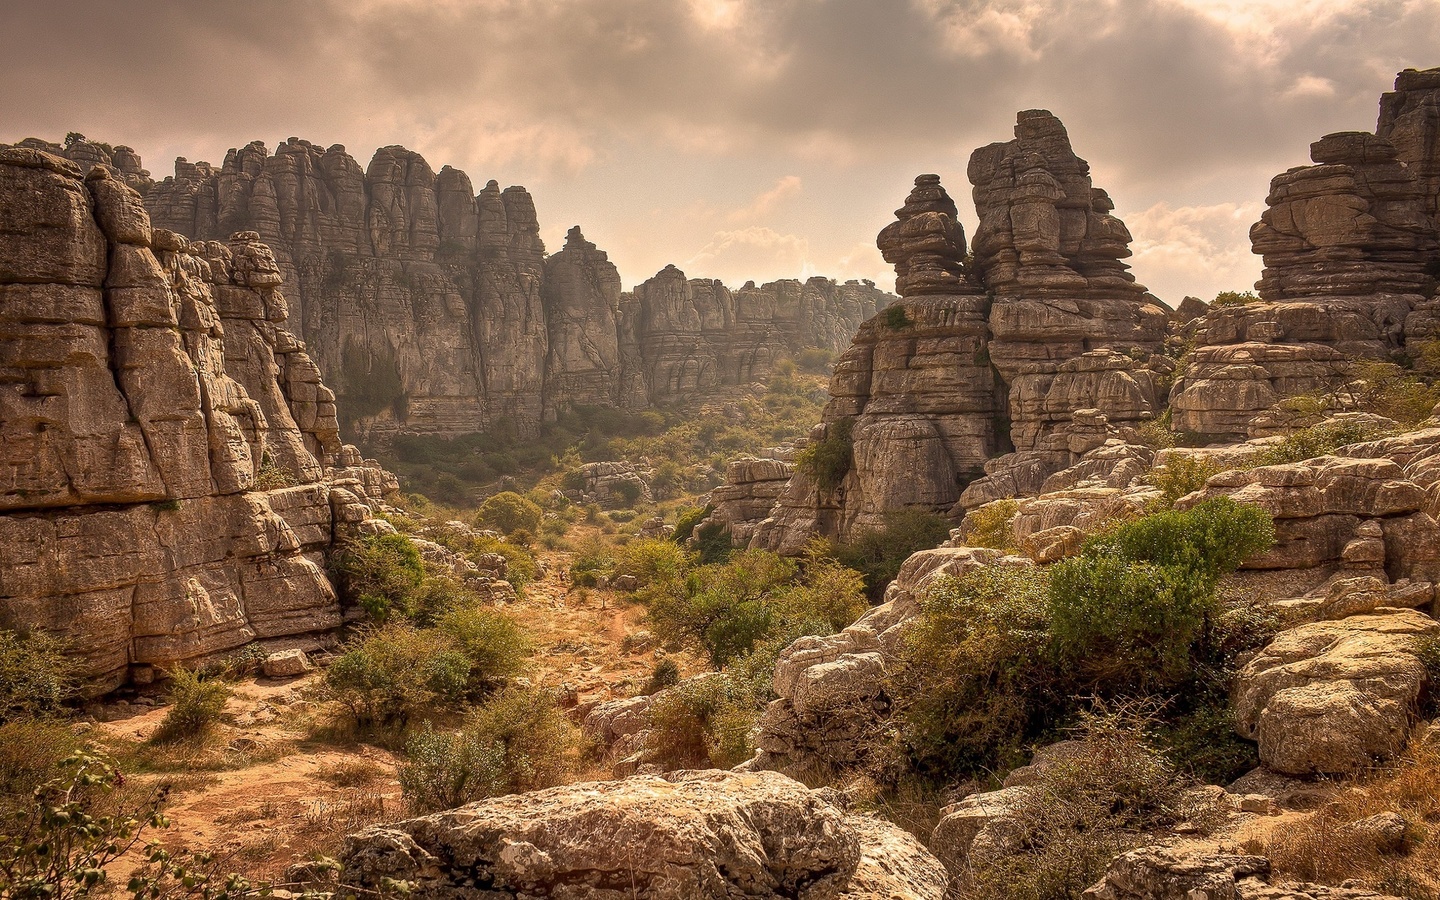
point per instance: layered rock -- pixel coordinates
(1050, 251)
(433, 309)
(683, 836)
(1046, 346)
(1349, 246)
(151, 392)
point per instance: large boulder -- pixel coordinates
(1335, 696)
(684, 836)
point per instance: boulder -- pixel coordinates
(684, 836)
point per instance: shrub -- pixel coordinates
(381, 572)
(827, 461)
(1079, 814)
(1129, 611)
(388, 675)
(975, 680)
(37, 677)
(652, 561)
(272, 475)
(993, 525)
(713, 543)
(1233, 298)
(879, 553)
(723, 608)
(815, 360)
(195, 707)
(896, 318)
(592, 563)
(828, 597)
(508, 512)
(665, 674)
(700, 723)
(494, 643)
(534, 735)
(31, 752)
(1316, 440)
(1183, 475)
(446, 769)
(685, 523)
(520, 565)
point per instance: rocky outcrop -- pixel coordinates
(684, 836)
(433, 309)
(163, 437)
(1044, 346)
(1070, 327)
(1333, 697)
(1349, 246)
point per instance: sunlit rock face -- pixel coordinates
(1350, 247)
(153, 398)
(434, 309)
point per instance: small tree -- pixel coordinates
(508, 512)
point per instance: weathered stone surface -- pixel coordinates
(153, 402)
(684, 836)
(582, 298)
(1332, 697)
(1167, 873)
(286, 664)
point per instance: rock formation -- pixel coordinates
(433, 309)
(152, 403)
(1045, 345)
(1350, 245)
(683, 836)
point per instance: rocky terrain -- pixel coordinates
(176, 483)
(433, 309)
(173, 476)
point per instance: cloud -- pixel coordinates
(1195, 250)
(763, 254)
(593, 103)
(786, 187)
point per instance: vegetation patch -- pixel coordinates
(828, 460)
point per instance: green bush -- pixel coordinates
(652, 561)
(389, 675)
(1183, 475)
(1131, 609)
(1317, 440)
(37, 676)
(446, 769)
(700, 723)
(196, 705)
(31, 751)
(828, 460)
(592, 563)
(1233, 298)
(993, 525)
(879, 553)
(687, 520)
(494, 643)
(713, 543)
(665, 674)
(520, 565)
(380, 572)
(507, 512)
(975, 679)
(722, 609)
(828, 597)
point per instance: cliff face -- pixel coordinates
(1034, 347)
(434, 309)
(1350, 247)
(150, 390)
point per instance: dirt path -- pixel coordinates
(264, 795)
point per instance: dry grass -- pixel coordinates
(1323, 847)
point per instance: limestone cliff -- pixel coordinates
(434, 309)
(1350, 247)
(152, 401)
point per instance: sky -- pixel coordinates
(741, 139)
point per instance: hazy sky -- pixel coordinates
(741, 138)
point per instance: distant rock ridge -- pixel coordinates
(985, 367)
(171, 474)
(432, 308)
